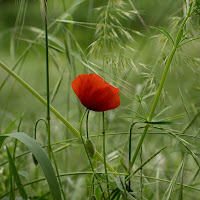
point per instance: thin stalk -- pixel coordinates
(141, 178)
(83, 141)
(58, 175)
(15, 147)
(138, 14)
(36, 124)
(104, 153)
(47, 79)
(87, 117)
(155, 103)
(53, 110)
(129, 158)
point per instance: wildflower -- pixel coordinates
(95, 93)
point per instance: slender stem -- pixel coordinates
(83, 141)
(138, 14)
(87, 132)
(104, 152)
(130, 147)
(155, 103)
(58, 175)
(141, 178)
(15, 147)
(56, 113)
(47, 79)
(36, 124)
(129, 158)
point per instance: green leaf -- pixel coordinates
(42, 159)
(16, 175)
(164, 32)
(144, 108)
(161, 122)
(172, 183)
(167, 34)
(148, 160)
(190, 40)
(181, 185)
(120, 181)
(161, 112)
(9, 128)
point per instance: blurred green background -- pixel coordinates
(141, 66)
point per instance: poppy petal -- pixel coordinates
(96, 94)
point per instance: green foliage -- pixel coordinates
(157, 71)
(41, 157)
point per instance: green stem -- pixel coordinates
(155, 103)
(58, 175)
(36, 124)
(53, 110)
(104, 153)
(129, 158)
(15, 147)
(47, 79)
(87, 132)
(83, 141)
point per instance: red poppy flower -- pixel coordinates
(96, 94)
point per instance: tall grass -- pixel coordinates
(149, 145)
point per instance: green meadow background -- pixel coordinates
(117, 40)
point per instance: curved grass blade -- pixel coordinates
(181, 185)
(41, 157)
(16, 176)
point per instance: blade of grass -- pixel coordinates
(16, 176)
(42, 158)
(172, 183)
(181, 185)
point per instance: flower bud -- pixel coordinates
(90, 147)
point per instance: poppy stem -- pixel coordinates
(83, 141)
(87, 132)
(104, 153)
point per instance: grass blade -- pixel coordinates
(16, 175)
(172, 183)
(42, 158)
